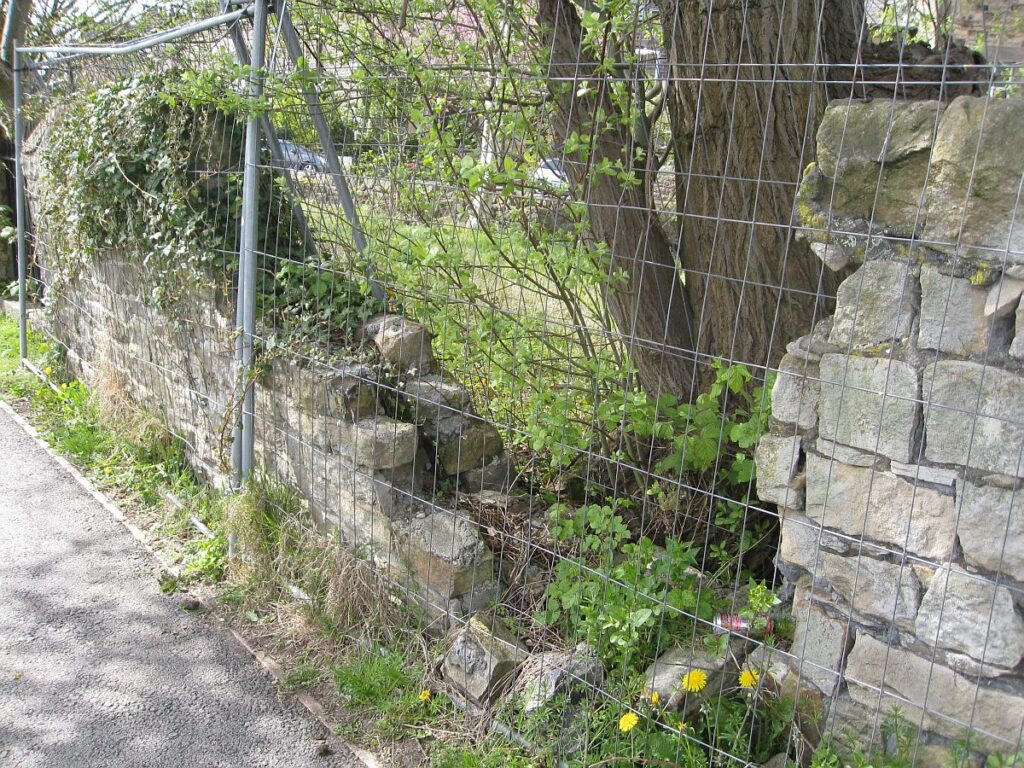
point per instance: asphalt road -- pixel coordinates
(97, 667)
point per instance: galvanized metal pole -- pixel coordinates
(316, 111)
(19, 204)
(250, 210)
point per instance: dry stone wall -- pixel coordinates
(355, 438)
(896, 455)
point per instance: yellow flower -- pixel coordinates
(424, 694)
(683, 726)
(748, 678)
(655, 698)
(47, 370)
(628, 722)
(695, 680)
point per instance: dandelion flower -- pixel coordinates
(683, 726)
(628, 722)
(695, 680)
(749, 678)
(655, 698)
(47, 370)
(424, 694)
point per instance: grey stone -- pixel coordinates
(992, 528)
(776, 459)
(483, 658)
(952, 314)
(876, 153)
(832, 450)
(880, 506)
(795, 393)
(884, 677)
(446, 553)
(434, 397)
(803, 539)
(968, 614)
(975, 416)
(465, 442)
(1017, 347)
(972, 201)
(875, 304)
(922, 473)
(832, 255)
(497, 474)
(403, 343)
(665, 675)
(1003, 297)
(819, 644)
(780, 760)
(871, 404)
(771, 663)
(545, 675)
(877, 589)
(377, 443)
(815, 344)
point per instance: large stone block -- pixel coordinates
(376, 443)
(446, 553)
(464, 443)
(974, 417)
(952, 314)
(880, 506)
(403, 343)
(970, 615)
(820, 642)
(796, 391)
(871, 404)
(875, 305)
(880, 676)
(777, 458)
(665, 675)
(991, 528)
(876, 153)
(802, 540)
(877, 589)
(973, 201)
(546, 675)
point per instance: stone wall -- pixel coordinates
(896, 454)
(357, 439)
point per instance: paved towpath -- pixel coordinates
(97, 667)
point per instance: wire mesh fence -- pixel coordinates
(667, 356)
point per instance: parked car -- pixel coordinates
(551, 171)
(300, 158)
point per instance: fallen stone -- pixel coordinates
(795, 393)
(777, 459)
(665, 675)
(871, 404)
(483, 658)
(878, 505)
(545, 675)
(972, 201)
(975, 416)
(968, 614)
(886, 678)
(991, 528)
(875, 304)
(952, 317)
(884, 591)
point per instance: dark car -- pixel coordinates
(300, 158)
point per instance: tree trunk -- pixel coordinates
(649, 304)
(744, 109)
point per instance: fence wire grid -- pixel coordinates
(678, 343)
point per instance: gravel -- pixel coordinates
(97, 667)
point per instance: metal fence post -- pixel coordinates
(19, 204)
(242, 450)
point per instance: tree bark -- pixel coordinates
(649, 304)
(745, 100)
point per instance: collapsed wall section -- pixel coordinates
(896, 455)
